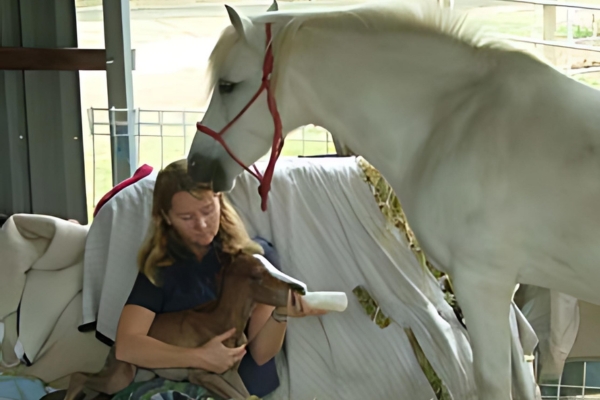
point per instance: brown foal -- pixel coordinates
(244, 281)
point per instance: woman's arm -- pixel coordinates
(133, 345)
(265, 334)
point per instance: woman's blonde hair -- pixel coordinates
(155, 253)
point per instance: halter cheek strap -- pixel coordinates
(277, 145)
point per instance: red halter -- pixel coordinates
(265, 181)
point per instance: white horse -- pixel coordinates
(495, 155)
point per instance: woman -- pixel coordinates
(178, 264)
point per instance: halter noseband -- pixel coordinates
(265, 180)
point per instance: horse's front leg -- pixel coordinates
(485, 302)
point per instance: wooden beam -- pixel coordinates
(69, 59)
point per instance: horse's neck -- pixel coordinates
(379, 95)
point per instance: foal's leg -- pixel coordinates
(76, 386)
(112, 380)
(485, 302)
(218, 384)
(235, 380)
(114, 377)
(61, 395)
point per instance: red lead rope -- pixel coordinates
(265, 180)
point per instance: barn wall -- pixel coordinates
(587, 343)
(44, 168)
(15, 195)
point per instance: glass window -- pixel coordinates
(579, 378)
(592, 374)
(572, 374)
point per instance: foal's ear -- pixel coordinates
(274, 6)
(242, 24)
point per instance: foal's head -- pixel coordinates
(246, 276)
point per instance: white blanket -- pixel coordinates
(111, 247)
(329, 232)
(41, 258)
(41, 268)
(555, 318)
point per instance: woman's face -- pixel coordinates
(196, 218)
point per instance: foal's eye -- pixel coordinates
(226, 87)
(256, 274)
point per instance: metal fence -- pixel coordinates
(549, 27)
(163, 136)
(580, 380)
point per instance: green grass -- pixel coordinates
(519, 23)
(578, 31)
(592, 80)
(528, 23)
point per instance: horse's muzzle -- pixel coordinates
(208, 171)
(202, 169)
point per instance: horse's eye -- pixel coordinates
(226, 87)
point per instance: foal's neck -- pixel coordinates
(234, 305)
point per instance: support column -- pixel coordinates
(15, 193)
(549, 32)
(446, 4)
(53, 109)
(119, 79)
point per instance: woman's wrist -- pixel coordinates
(195, 357)
(278, 316)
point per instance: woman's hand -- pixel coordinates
(215, 357)
(297, 307)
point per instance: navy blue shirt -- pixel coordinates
(189, 283)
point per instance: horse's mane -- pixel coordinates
(396, 16)
(383, 17)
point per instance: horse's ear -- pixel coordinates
(274, 6)
(241, 23)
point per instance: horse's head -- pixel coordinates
(236, 68)
(260, 284)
